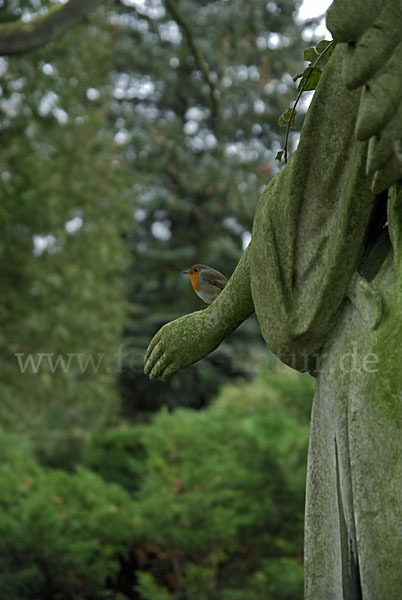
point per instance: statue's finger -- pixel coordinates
(385, 145)
(384, 178)
(153, 358)
(381, 98)
(374, 48)
(159, 367)
(152, 345)
(169, 371)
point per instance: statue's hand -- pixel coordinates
(181, 343)
(373, 59)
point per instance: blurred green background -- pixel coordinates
(132, 147)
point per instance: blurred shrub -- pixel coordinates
(220, 510)
(196, 505)
(118, 455)
(61, 534)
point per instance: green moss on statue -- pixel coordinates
(326, 284)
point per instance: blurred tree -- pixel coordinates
(64, 206)
(199, 87)
(194, 118)
(18, 37)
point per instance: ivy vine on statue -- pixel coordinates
(324, 274)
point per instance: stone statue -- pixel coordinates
(323, 273)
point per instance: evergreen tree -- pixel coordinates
(63, 211)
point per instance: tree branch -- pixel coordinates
(199, 59)
(16, 38)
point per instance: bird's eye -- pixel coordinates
(196, 270)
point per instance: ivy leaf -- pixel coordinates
(310, 54)
(308, 81)
(313, 75)
(320, 47)
(286, 116)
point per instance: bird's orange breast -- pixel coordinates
(195, 281)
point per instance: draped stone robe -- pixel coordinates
(326, 279)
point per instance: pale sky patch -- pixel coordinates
(313, 8)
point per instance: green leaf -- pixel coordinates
(320, 47)
(288, 115)
(310, 54)
(279, 155)
(313, 76)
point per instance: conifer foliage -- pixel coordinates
(198, 90)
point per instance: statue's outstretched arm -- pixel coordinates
(188, 339)
(311, 222)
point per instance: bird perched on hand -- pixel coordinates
(207, 283)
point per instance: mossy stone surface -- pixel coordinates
(318, 313)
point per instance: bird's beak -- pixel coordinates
(185, 272)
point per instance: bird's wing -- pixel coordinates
(215, 278)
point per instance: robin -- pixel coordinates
(207, 283)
